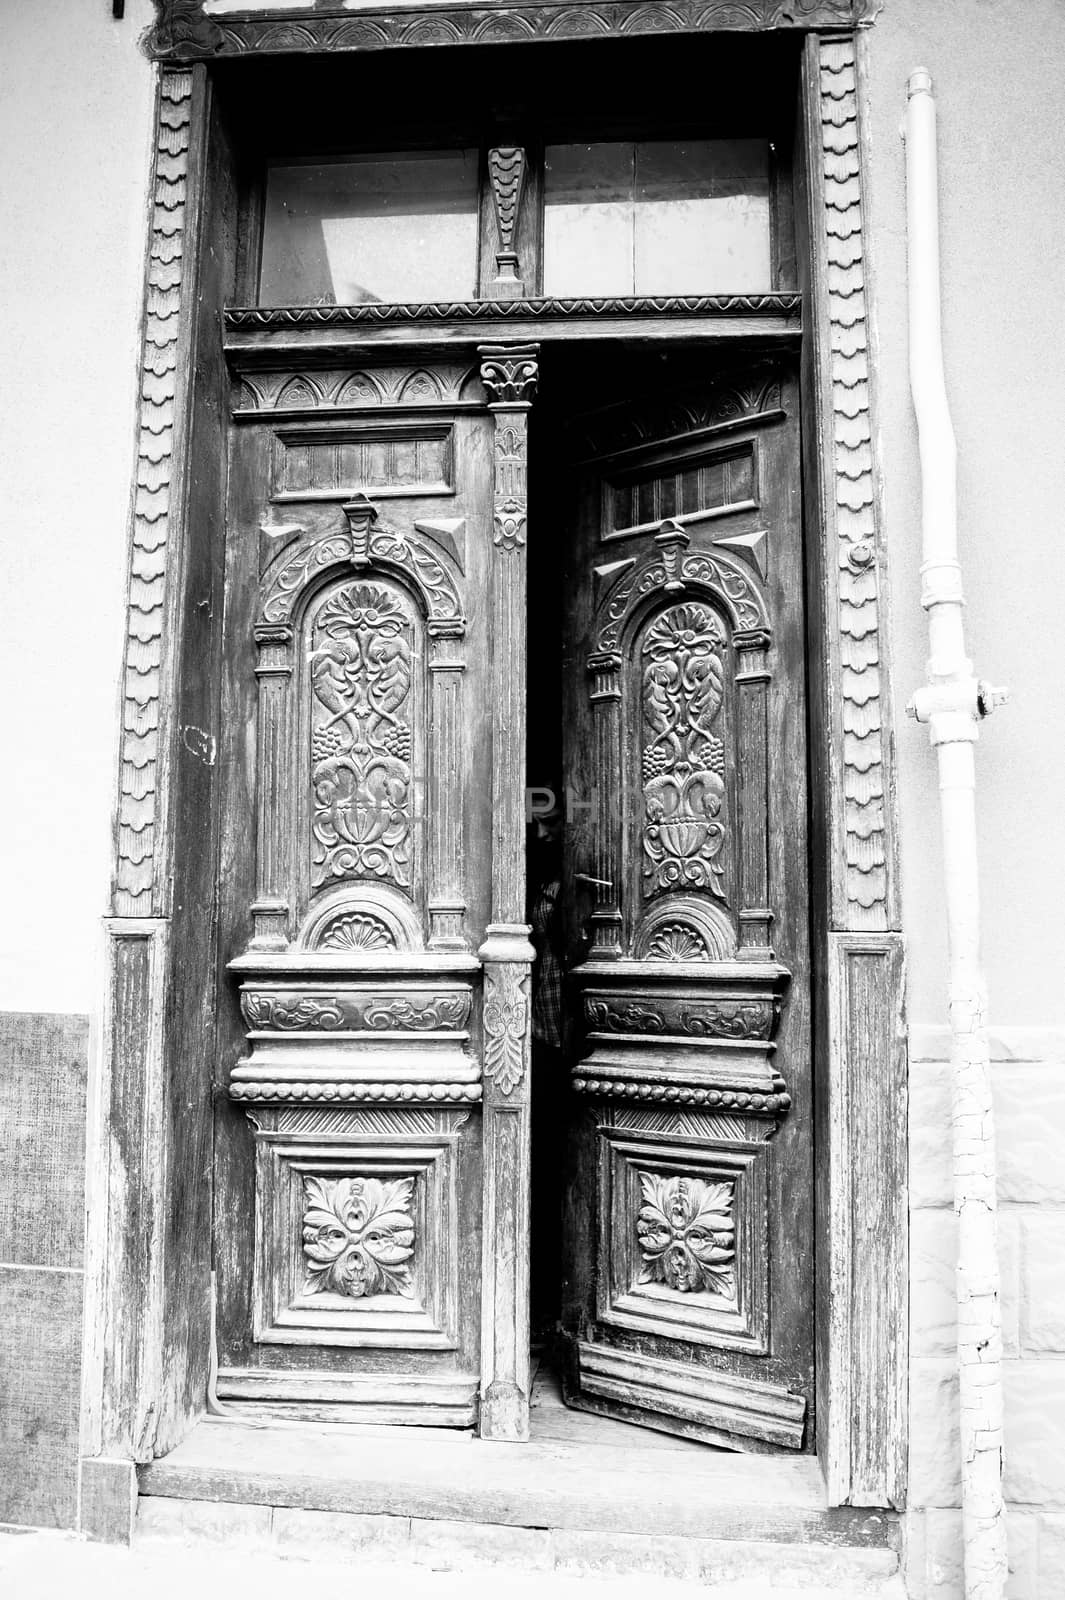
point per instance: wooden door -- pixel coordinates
(354, 889)
(689, 1274)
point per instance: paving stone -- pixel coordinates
(1051, 1555)
(931, 1179)
(1022, 1528)
(1043, 1283)
(1034, 1395)
(933, 1298)
(470, 1546)
(204, 1521)
(944, 1556)
(338, 1535)
(935, 1478)
(1029, 1109)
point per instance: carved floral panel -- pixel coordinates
(358, 1236)
(362, 660)
(686, 1235)
(682, 685)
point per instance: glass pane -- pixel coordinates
(393, 227)
(657, 217)
(588, 238)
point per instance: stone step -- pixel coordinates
(402, 1548)
(232, 1562)
(576, 1508)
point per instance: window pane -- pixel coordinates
(385, 227)
(657, 217)
(588, 236)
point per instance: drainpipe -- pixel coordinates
(952, 705)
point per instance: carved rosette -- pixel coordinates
(686, 1235)
(358, 1236)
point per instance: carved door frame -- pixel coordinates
(149, 1295)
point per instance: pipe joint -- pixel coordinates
(954, 708)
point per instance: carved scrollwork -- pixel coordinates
(384, 1013)
(361, 667)
(686, 1233)
(683, 758)
(305, 1012)
(358, 1236)
(510, 374)
(723, 1019)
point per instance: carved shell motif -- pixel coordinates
(358, 1236)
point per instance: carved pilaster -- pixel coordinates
(447, 908)
(510, 377)
(752, 684)
(604, 669)
(270, 909)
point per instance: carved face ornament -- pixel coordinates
(358, 1236)
(686, 1234)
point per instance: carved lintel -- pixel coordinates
(182, 31)
(506, 173)
(510, 373)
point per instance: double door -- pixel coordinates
(377, 1066)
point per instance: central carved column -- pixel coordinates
(509, 375)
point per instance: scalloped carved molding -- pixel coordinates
(862, 736)
(183, 31)
(239, 319)
(134, 880)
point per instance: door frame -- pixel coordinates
(148, 1310)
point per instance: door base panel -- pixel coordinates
(445, 1402)
(694, 1402)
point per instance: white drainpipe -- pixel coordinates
(953, 704)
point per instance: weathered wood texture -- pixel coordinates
(510, 375)
(859, 1054)
(183, 31)
(348, 1227)
(148, 1351)
(684, 587)
(43, 1065)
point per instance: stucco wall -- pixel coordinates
(999, 71)
(75, 114)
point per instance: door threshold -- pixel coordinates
(549, 1483)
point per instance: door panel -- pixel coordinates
(688, 1302)
(354, 891)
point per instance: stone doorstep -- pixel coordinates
(400, 1544)
(459, 1504)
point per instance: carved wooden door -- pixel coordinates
(689, 1277)
(367, 1139)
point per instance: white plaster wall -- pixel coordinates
(75, 114)
(999, 71)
